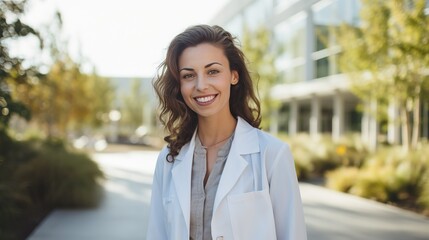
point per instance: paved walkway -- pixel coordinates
(123, 213)
(331, 215)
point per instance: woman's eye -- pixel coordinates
(212, 72)
(187, 76)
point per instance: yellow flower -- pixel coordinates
(341, 150)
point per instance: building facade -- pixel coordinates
(315, 95)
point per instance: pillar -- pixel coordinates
(294, 117)
(373, 125)
(425, 120)
(393, 128)
(315, 117)
(338, 118)
(365, 123)
(274, 121)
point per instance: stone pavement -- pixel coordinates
(123, 214)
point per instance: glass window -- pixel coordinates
(323, 20)
(291, 34)
(255, 14)
(290, 37)
(321, 37)
(322, 67)
(353, 117)
(284, 117)
(326, 120)
(328, 15)
(335, 12)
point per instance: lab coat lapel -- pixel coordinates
(245, 142)
(181, 173)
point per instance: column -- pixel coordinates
(294, 117)
(425, 120)
(393, 127)
(274, 121)
(338, 118)
(373, 125)
(315, 117)
(365, 123)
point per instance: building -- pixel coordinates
(123, 87)
(315, 95)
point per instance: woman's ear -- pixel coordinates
(235, 77)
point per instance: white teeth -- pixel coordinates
(205, 99)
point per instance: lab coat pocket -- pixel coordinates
(252, 216)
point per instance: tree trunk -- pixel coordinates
(416, 123)
(405, 128)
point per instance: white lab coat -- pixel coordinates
(257, 198)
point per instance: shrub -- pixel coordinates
(37, 176)
(423, 199)
(342, 179)
(316, 156)
(310, 155)
(59, 178)
(407, 172)
(389, 175)
(373, 183)
(12, 208)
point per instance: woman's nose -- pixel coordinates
(202, 83)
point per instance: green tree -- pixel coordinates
(11, 68)
(101, 93)
(65, 98)
(257, 48)
(387, 57)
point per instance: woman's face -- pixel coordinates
(205, 80)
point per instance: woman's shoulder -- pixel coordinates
(162, 156)
(269, 141)
(276, 153)
(163, 152)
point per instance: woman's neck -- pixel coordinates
(212, 131)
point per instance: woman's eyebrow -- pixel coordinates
(210, 64)
(206, 66)
(187, 69)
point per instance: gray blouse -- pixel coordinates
(202, 197)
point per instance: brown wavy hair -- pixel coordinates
(179, 120)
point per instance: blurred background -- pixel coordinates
(344, 82)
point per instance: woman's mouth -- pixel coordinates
(205, 100)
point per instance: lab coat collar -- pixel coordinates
(245, 142)
(246, 139)
(181, 174)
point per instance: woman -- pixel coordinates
(219, 177)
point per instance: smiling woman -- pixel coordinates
(220, 177)
(205, 81)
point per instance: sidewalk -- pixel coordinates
(332, 215)
(123, 213)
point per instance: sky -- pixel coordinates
(126, 38)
